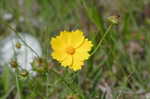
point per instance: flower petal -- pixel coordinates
(76, 38)
(57, 43)
(60, 42)
(59, 55)
(67, 61)
(85, 46)
(82, 51)
(77, 64)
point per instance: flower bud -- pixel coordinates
(18, 45)
(114, 19)
(72, 97)
(14, 64)
(40, 65)
(24, 73)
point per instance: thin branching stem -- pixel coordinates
(47, 85)
(101, 41)
(8, 93)
(65, 82)
(18, 86)
(69, 86)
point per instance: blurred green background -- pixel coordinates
(120, 69)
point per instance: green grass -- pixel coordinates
(118, 66)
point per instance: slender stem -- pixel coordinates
(8, 93)
(69, 86)
(18, 87)
(65, 82)
(100, 42)
(47, 84)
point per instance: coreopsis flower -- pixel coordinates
(71, 49)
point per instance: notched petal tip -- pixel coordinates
(76, 69)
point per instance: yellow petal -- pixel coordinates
(81, 55)
(85, 46)
(65, 35)
(59, 55)
(57, 43)
(82, 52)
(67, 61)
(76, 64)
(76, 38)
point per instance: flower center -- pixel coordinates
(70, 50)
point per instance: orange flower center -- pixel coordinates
(70, 50)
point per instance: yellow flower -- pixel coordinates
(71, 49)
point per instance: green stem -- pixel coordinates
(47, 84)
(8, 93)
(65, 82)
(18, 87)
(69, 86)
(100, 42)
